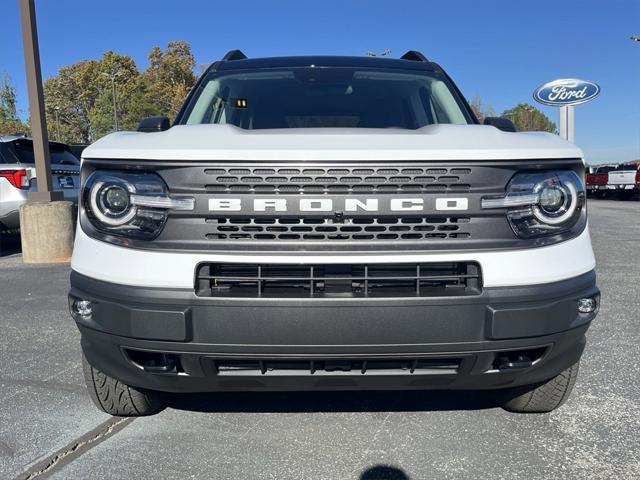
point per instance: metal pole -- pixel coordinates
(36, 104)
(115, 105)
(563, 122)
(57, 110)
(567, 117)
(570, 122)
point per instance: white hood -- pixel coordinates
(433, 142)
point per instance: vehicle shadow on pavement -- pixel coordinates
(384, 472)
(343, 401)
(9, 244)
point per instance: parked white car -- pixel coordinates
(18, 176)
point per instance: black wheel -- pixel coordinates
(542, 397)
(116, 398)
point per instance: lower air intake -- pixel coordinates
(337, 280)
(304, 367)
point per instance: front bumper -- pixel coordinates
(300, 344)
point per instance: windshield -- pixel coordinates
(21, 151)
(626, 167)
(307, 97)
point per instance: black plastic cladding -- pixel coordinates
(472, 229)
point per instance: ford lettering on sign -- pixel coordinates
(566, 91)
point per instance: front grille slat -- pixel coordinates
(348, 180)
(323, 229)
(338, 280)
(339, 366)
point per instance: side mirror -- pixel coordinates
(154, 124)
(501, 123)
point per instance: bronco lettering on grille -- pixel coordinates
(330, 204)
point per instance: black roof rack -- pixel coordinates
(234, 55)
(414, 56)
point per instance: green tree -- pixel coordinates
(79, 98)
(9, 120)
(70, 96)
(170, 76)
(528, 118)
(132, 97)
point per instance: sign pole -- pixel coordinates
(36, 104)
(563, 122)
(567, 121)
(570, 122)
(46, 224)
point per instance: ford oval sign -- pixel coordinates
(566, 91)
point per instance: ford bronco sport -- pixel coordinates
(331, 223)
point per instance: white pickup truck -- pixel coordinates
(625, 178)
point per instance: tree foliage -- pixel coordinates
(79, 98)
(528, 118)
(170, 75)
(481, 109)
(132, 101)
(9, 121)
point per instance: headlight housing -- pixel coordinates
(129, 204)
(542, 203)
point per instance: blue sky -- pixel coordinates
(500, 50)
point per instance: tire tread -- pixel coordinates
(543, 397)
(116, 398)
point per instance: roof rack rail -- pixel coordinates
(234, 55)
(414, 56)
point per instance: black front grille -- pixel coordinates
(337, 280)
(337, 180)
(325, 229)
(378, 226)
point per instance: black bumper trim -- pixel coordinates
(473, 329)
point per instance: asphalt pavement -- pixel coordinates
(50, 429)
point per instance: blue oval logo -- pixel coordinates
(566, 91)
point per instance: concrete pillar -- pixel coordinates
(47, 231)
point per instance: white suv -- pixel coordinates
(18, 176)
(331, 223)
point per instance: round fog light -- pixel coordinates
(84, 308)
(587, 305)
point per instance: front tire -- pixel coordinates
(116, 398)
(542, 397)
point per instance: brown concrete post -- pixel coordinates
(49, 238)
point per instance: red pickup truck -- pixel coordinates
(597, 179)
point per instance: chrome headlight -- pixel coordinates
(129, 204)
(541, 203)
